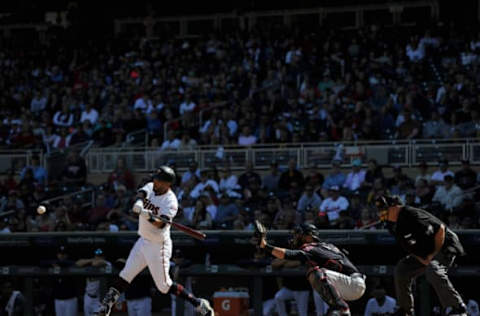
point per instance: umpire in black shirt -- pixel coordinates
(431, 247)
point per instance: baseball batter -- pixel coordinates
(154, 246)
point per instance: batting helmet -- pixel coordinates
(301, 231)
(164, 173)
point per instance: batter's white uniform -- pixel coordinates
(154, 247)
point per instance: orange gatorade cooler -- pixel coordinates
(231, 303)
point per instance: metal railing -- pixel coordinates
(306, 155)
(137, 138)
(15, 159)
(354, 16)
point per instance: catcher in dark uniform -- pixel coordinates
(330, 272)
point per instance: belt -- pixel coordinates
(358, 275)
(92, 296)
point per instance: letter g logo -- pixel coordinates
(226, 305)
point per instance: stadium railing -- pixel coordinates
(307, 155)
(352, 16)
(16, 159)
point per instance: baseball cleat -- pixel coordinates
(204, 308)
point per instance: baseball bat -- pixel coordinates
(185, 229)
(370, 225)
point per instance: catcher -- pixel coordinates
(330, 272)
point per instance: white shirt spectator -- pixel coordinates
(354, 180)
(200, 188)
(143, 104)
(449, 198)
(387, 308)
(170, 144)
(232, 127)
(247, 140)
(229, 184)
(415, 54)
(38, 104)
(91, 116)
(187, 106)
(425, 177)
(63, 119)
(440, 175)
(334, 207)
(189, 175)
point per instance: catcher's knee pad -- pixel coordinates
(327, 291)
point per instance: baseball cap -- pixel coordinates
(98, 252)
(357, 162)
(334, 188)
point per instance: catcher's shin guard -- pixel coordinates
(319, 281)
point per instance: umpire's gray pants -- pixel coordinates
(409, 268)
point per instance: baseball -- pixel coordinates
(41, 209)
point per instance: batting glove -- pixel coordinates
(138, 207)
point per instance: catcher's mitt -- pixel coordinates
(260, 232)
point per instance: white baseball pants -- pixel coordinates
(350, 288)
(155, 255)
(68, 307)
(140, 307)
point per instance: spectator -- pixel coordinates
(292, 178)
(89, 114)
(334, 204)
(373, 172)
(449, 195)
(121, 175)
(271, 179)
(423, 173)
(424, 192)
(187, 143)
(436, 127)
(466, 178)
(63, 118)
(227, 211)
(245, 178)
(229, 183)
(192, 173)
(246, 137)
(356, 177)
(99, 213)
(201, 218)
(205, 186)
(38, 103)
(439, 175)
(39, 173)
(171, 143)
(380, 303)
(336, 177)
(75, 171)
(409, 128)
(399, 182)
(309, 200)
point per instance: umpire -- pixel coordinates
(431, 247)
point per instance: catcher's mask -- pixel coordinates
(302, 231)
(383, 203)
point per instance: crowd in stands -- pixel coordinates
(219, 198)
(278, 84)
(270, 84)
